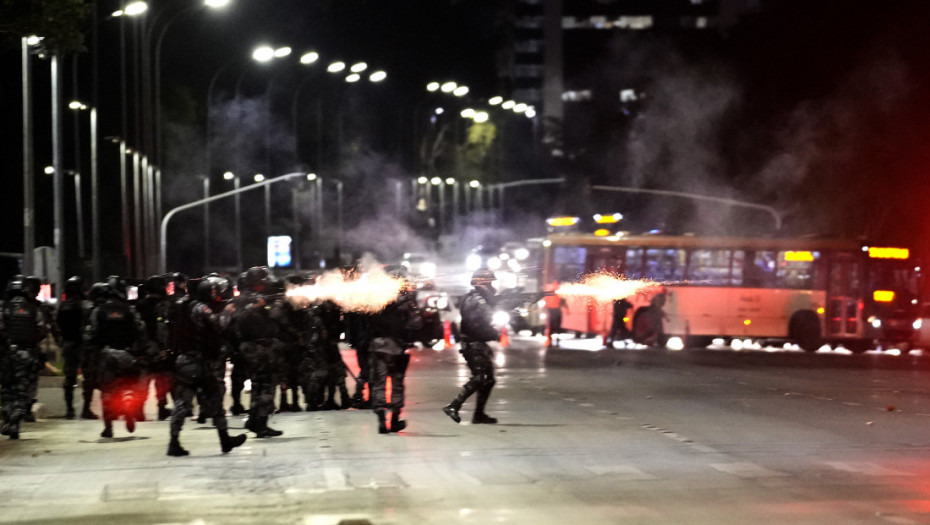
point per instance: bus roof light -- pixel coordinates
(883, 296)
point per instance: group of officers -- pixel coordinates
(180, 333)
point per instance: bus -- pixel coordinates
(806, 291)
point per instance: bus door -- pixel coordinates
(844, 290)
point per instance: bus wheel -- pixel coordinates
(805, 330)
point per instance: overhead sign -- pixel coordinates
(279, 251)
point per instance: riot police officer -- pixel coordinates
(22, 326)
(115, 330)
(72, 312)
(256, 325)
(392, 331)
(201, 365)
(477, 330)
(155, 311)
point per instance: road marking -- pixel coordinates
(746, 470)
(869, 469)
(625, 472)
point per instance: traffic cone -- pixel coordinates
(505, 339)
(447, 334)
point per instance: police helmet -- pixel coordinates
(17, 287)
(180, 282)
(116, 287)
(256, 278)
(156, 285)
(74, 287)
(211, 289)
(98, 292)
(482, 277)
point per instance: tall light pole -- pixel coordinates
(57, 182)
(29, 237)
(206, 224)
(238, 211)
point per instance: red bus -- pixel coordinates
(806, 291)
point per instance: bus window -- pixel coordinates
(664, 264)
(634, 263)
(756, 269)
(709, 267)
(606, 259)
(569, 262)
(795, 270)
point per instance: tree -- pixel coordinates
(59, 22)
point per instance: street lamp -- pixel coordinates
(77, 105)
(206, 224)
(238, 211)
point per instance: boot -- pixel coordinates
(30, 417)
(237, 409)
(397, 424)
(479, 417)
(11, 428)
(262, 430)
(69, 403)
(482, 418)
(228, 443)
(175, 448)
(130, 423)
(107, 430)
(382, 421)
(86, 413)
(452, 410)
(346, 401)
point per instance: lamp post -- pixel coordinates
(29, 238)
(206, 225)
(238, 220)
(164, 222)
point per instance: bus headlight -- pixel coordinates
(874, 321)
(917, 324)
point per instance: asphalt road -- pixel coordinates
(633, 436)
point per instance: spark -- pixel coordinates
(605, 287)
(369, 292)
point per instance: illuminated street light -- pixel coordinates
(263, 54)
(133, 9)
(495, 100)
(354, 77)
(468, 113)
(507, 104)
(460, 91)
(481, 116)
(474, 184)
(432, 86)
(377, 76)
(519, 108)
(435, 181)
(311, 176)
(450, 181)
(439, 111)
(336, 67)
(309, 57)
(530, 112)
(228, 175)
(358, 67)
(422, 180)
(33, 40)
(282, 52)
(448, 87)
(216, 3)
(258, 177)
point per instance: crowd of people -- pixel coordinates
(180, 334)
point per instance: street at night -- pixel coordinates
(626, 436)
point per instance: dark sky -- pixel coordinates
(820, 108)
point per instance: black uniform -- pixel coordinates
(392, 331)
(71, 316)
(477, 331)
(155, 309)
(358, 336)
(201, 366)
(22, 326)
(116, 332)
(257, 330)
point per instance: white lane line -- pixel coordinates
(869, 469)
(746, 470)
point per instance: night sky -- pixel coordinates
(821, 109)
